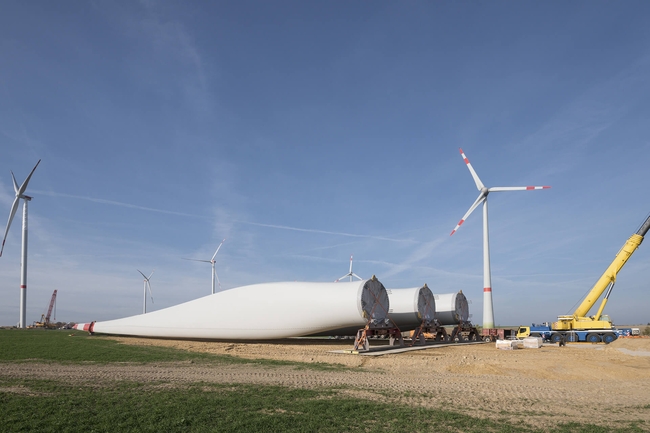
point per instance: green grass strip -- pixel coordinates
(50, 406)
(69, 346)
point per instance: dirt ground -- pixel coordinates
(587, 383)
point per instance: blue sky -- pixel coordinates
(303, 132)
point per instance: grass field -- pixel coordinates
(33, 405)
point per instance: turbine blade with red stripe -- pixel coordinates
(477, 181)
(481, 198)
(515, 188)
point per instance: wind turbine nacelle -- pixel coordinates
(262, 311)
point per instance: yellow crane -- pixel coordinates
(598, 327)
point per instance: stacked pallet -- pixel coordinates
(510, 344)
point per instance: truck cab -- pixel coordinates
(535, 330)
(523, 332)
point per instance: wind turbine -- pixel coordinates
(488, 309)
(349, 274)
(214, 271)
(20, 193)
(147, 285)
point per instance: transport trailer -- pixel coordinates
(451, 309)
(628, 332)
(494, 334)
(431, 331)
(464, 331)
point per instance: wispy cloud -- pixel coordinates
(117, 203)
(298, 229)
(169, 212)
(421, 253)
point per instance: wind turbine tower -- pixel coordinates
(212, 261)
(349, 274)
(20, 194)
(147, 285)
(488, 308)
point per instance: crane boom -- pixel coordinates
(579, 319)
(609, 276)
(49, 310)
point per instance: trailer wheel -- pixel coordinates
(555, 338)
(487, 339)
(593, 338)
(608, 337)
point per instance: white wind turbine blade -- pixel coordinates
(147, 283)
(516, 188)
(14, 207)
(339, 279)
(477, 181)
(481, 198)
(145, 277)
(349, 274)
(217, 275)
(23, 187)
(352, 274)
(219, 247)
(197, 260)
(150, 293)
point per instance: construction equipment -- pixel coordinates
(45, 318)
(578, 327)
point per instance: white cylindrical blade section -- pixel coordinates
(451, 308)
(409, 307)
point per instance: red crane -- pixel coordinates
(45, 318)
